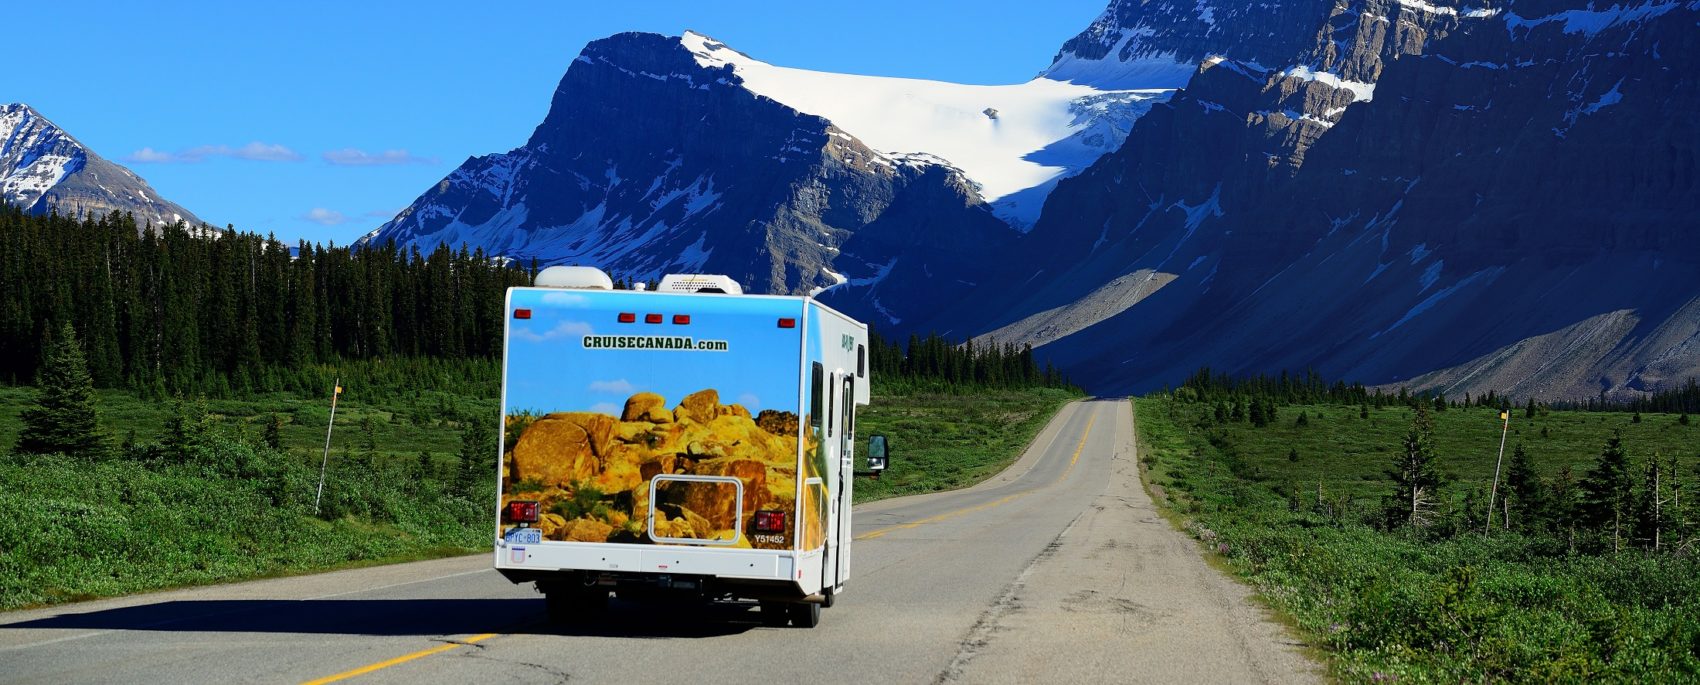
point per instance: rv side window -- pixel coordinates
(830, 415)
(815, 395)
(861, 361)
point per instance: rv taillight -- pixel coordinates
(770, 522)
(628, 317)
(522, 512)
(652, 318)
(522, 313)
(787, 323)
(681, 319)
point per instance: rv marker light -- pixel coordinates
(522, 512)
(770, 522)
(522, 313)
(681, 319)
(628, 317)
(787, 323)
(652, 318)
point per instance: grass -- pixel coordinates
(404, 424)
(1426, 606)
(1348, 454)
(234, 510)
(944, 442)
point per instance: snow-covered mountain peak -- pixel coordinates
(36, 155)
(1012, 141)
(43, 168)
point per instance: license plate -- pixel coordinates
(524, 536)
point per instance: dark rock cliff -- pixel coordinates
(649, 163)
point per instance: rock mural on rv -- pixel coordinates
(699, 462)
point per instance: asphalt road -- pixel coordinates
(1056, 570)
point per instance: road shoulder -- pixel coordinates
(1121, 596)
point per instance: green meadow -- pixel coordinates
(1299, 507)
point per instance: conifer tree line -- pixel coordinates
(1208, 386)
(935, 361)
(168, 310)
(1619, 503)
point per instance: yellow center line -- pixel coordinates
(363, 670)
(969, 510)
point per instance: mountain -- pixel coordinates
(43, 168)
(1458, 195)
(667, 154)
(1453, 196)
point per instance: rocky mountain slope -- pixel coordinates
(668, 154)
(43, 168)
(1457, 194)
(1411, 186)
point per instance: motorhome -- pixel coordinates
(686, 442)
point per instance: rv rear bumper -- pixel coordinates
(526, 562)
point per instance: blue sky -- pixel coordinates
(320, 120)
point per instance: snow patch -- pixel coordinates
(1465, 12)
(1439, 296)
(1361, 91)
(1589, 22)
(1045, 129)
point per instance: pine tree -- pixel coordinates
(1416, 483)
(475, 457)
(1564, 505)
(274, 432)
(1527, 492)
(188, 430)
(1608, 491)
(63, 418)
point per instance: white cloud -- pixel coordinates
(255, 151)
(384, 213)
(749, 400)
(565, 329)
(566, 300)
(325, 217)
(148, 154)
(356, 157)
(608, 408)
(618, 387)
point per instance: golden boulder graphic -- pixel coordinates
(591, 472)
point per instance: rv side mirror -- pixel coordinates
(878, 453)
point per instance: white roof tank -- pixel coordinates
(699, 283)
(579, 277)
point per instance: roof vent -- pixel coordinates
(699, 283)
(580, 277)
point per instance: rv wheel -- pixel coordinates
(805, 614)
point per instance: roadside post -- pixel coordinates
(327, 457)
(1504, 416)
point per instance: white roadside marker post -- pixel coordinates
(1504, 416)
(326, 459)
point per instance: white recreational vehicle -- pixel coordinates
(689, 441)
